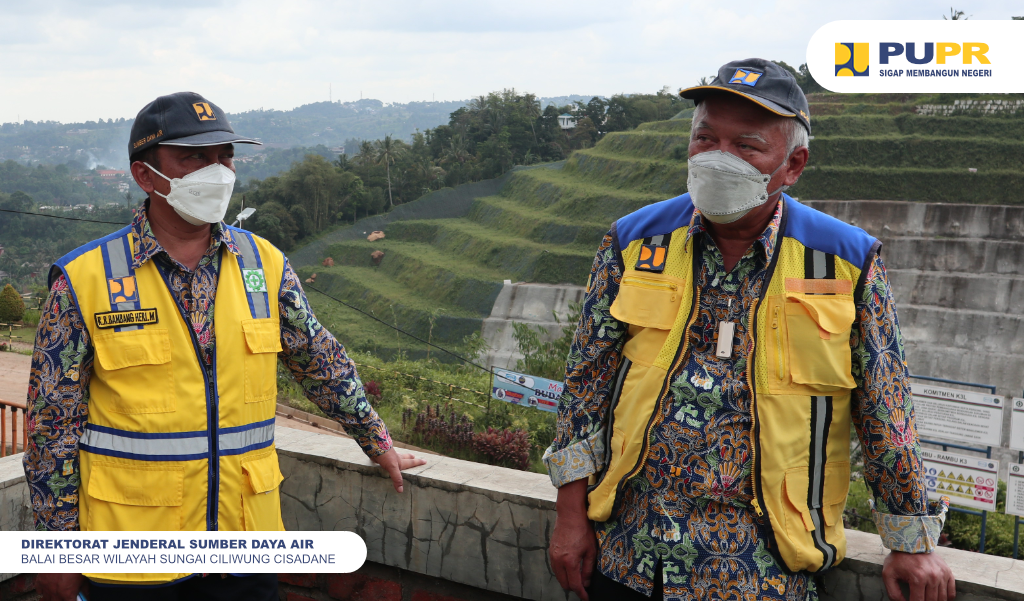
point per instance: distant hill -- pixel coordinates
(327, 124)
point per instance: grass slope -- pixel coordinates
(447, 255)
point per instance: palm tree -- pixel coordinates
(386, 152)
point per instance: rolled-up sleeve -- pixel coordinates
(883, 414)
(578, 449)
(327, 375)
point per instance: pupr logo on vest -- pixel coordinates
(122, 290)
(852, 59)
(746, 77)
(204, 111)
(254, 280)
(652, 258)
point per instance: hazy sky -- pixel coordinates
(77, 61)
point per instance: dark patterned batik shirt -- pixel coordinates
(688, 510)
(58, 395)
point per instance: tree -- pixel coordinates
(12, 308)
(386, 152)
(955, 15)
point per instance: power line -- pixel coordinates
(60, 217)
(413, 336)
(335, 299)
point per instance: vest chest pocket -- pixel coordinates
(136, 367)
(261, 498)
(263, 342)
(809, 343)
(649, 303)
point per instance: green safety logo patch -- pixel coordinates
(254, 280)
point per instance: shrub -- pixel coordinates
(12, 308)
(372, 388)
(440, 427)
(508, 448)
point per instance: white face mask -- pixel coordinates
(725, 187)
(201, 196)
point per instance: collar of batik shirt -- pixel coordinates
(768, 238)
(146, 245)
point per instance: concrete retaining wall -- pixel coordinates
(533, 304)
(482, 530)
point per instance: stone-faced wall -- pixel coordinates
(467, 531)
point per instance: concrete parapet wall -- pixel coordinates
(464, 530)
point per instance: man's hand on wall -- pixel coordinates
(59, 587)
(394, 462)
(573, 549)
(927, 575)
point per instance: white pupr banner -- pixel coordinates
(195, 552)
(918, 56)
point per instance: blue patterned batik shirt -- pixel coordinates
(58, 394)
(697, 522)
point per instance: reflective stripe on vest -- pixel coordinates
(249, 260)
(175, 446)
(117, 265)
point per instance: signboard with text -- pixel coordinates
(1015, 490)
(526, 390)
(1017, 424)
(967, 481)
(957, 415)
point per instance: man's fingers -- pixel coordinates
(950, 585)
(587, 568)
(560, 575)
(408, 460)
(576, 581)
(396, 476)
(892, 586)
(918, 589)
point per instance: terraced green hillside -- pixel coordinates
(544, 223)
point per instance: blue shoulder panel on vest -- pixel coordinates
(819, 231)
(81, 250)
(659, 218)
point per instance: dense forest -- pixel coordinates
(482, 140)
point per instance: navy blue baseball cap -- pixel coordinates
(760, 81)
(182, 119)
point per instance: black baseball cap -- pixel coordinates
(760, 81)
(182, 119)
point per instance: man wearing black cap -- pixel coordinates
(154, 379)
(728, 339)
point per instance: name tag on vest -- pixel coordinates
(115, 319)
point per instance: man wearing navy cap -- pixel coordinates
(729, 338)
(154, 378)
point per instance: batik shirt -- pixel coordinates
(62, 362)
(688, 511)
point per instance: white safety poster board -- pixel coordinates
(957, 415)
(1015, 490)
(967, 481)
(1017, 424)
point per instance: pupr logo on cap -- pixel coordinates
(746, 77)
(851, 59)
(204, 112)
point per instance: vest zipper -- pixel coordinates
(778, 346)
(212, 415)
(652, 284)
(753, 405)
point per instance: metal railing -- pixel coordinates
(13, 413)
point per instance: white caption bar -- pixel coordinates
(197, 552)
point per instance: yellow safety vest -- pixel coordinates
(168, 444)
(800, 372)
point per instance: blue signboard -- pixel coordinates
(525, 390)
